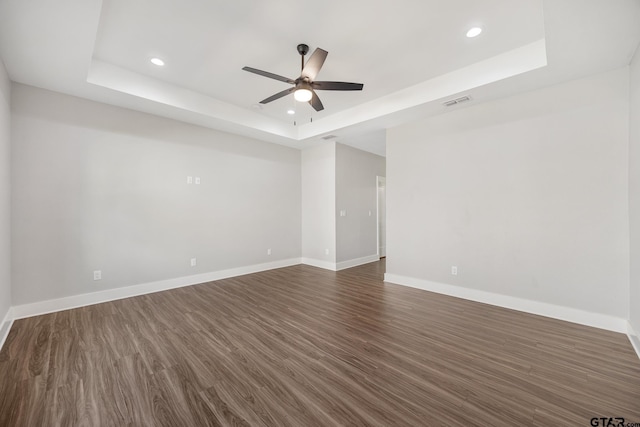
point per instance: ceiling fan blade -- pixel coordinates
(315, 102)
(268, 74)
(313, 65)
(336, 86)
(278, 95)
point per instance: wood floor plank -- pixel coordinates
(302, 346)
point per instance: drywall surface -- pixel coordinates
(634, 193)
(97, 187)
(527, 196)
(318, 204)
(356, 188)
(5, 198)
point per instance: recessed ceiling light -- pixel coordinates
(157, 61)
(474, 32)
(291, 112)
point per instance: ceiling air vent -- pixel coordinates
(326, 137)
(451, 102)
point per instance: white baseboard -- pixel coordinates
(333, 266)
(355, 262)
(327, 265)
(573, 315)
(634, 338)
(5, 327)
(597, 320)
(75, 301)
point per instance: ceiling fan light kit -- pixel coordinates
(303, 93)
(304, 87)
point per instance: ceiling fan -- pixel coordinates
(305, 86)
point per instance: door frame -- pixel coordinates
(381, 181)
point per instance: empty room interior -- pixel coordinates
(295, 213)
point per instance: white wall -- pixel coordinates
(5, 245)
(318, 205)
(356, 187)
(634, 194)
(526, 195)
(97, 187)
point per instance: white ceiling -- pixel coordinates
(411, 55)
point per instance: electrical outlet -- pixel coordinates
(193, 262)
(197, 180)
(454, 270)
(269, 251)
(97, 275)
(189, 180)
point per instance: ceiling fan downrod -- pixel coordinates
(303, 49)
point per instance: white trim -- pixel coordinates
(357, 261)
(574, 315)
(378, 216)
(378, 179)
(8, 322)
(327, 265)
(634, 338)
(75, 301)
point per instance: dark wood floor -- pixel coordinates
(301, 346)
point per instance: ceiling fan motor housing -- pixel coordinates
(303, 49)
